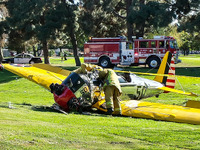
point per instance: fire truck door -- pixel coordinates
(127, 55)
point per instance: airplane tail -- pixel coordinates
(167, 67)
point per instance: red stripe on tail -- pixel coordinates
(171, 80)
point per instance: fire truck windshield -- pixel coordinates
(173, 44)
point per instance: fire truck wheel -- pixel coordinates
(105, 62)
(153, 62)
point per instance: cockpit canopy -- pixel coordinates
(74, 82)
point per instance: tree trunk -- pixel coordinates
(2, 41)
(130, 31)
(1, 54)
(139, 27)
(44, 41)
(140, 30)
(60, 50)
(34, 51)
(74, 45)
(45, 51)
(129, 26)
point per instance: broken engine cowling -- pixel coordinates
(74, 94)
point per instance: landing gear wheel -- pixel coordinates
(73, 104)
(105, 62)
(154, 62)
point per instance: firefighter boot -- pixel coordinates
(109, 111)
(117, 112)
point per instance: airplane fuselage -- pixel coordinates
(81, 88)
(140, 88)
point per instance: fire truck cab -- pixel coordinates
(151, 51)
(107, 52)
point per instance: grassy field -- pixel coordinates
(26, 122)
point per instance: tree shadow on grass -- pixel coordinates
(6, 76)
(49, 109)
(28, 106)
(4, 106)
(188, 71)
(43, 109)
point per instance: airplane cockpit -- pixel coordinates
(74, 82)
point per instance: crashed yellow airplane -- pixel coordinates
(77, 91)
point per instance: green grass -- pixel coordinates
(190, 61)
(32, 125)
(69, 62)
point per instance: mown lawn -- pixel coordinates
(30, 124)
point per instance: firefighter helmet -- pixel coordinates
(103, 73)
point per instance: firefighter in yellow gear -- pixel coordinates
(112, 90)
(111, 86)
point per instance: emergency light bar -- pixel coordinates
(163, 37)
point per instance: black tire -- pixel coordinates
(73, 104)
(105, 62)
(154, 62)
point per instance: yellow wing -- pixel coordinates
(41, 74)
(158, 111)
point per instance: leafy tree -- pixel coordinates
(185, 42)
(3, 14)
(68, 19)
(44, 20)
(32, 45)
(190, 20)
(136, 16)
(146, 14)
(97, 18)
(188, 12)
(26, 20)
(16, 41)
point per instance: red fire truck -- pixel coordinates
(107, 52)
